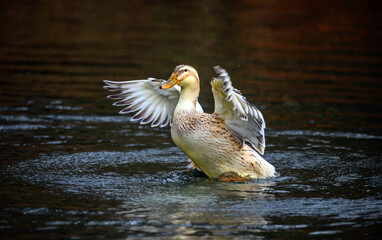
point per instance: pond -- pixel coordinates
(72, 167)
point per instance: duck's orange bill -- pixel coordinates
(172, 81)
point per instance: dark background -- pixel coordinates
(312, 67)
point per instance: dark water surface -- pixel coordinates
(71, 167)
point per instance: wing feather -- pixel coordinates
(244, 120)
(151, 104)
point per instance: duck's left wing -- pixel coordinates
(244, 120)
(151, 104)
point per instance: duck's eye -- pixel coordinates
(185, 69)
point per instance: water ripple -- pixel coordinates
(306, 133)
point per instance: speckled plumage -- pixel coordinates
(212, 147)
(216, 143)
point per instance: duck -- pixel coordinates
(227, 143)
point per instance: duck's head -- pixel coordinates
(183, 75)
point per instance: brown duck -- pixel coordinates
(221, 144)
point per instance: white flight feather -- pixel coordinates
(150, 104)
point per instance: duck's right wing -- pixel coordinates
(151, 104)
(244, 119)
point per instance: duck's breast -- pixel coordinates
(206, 140)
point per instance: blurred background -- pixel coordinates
(312, 67)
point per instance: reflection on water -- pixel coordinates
(148, 193)
(71, 167)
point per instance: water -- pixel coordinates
(71, 167)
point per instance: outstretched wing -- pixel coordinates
(245, 120)
(151, 104)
